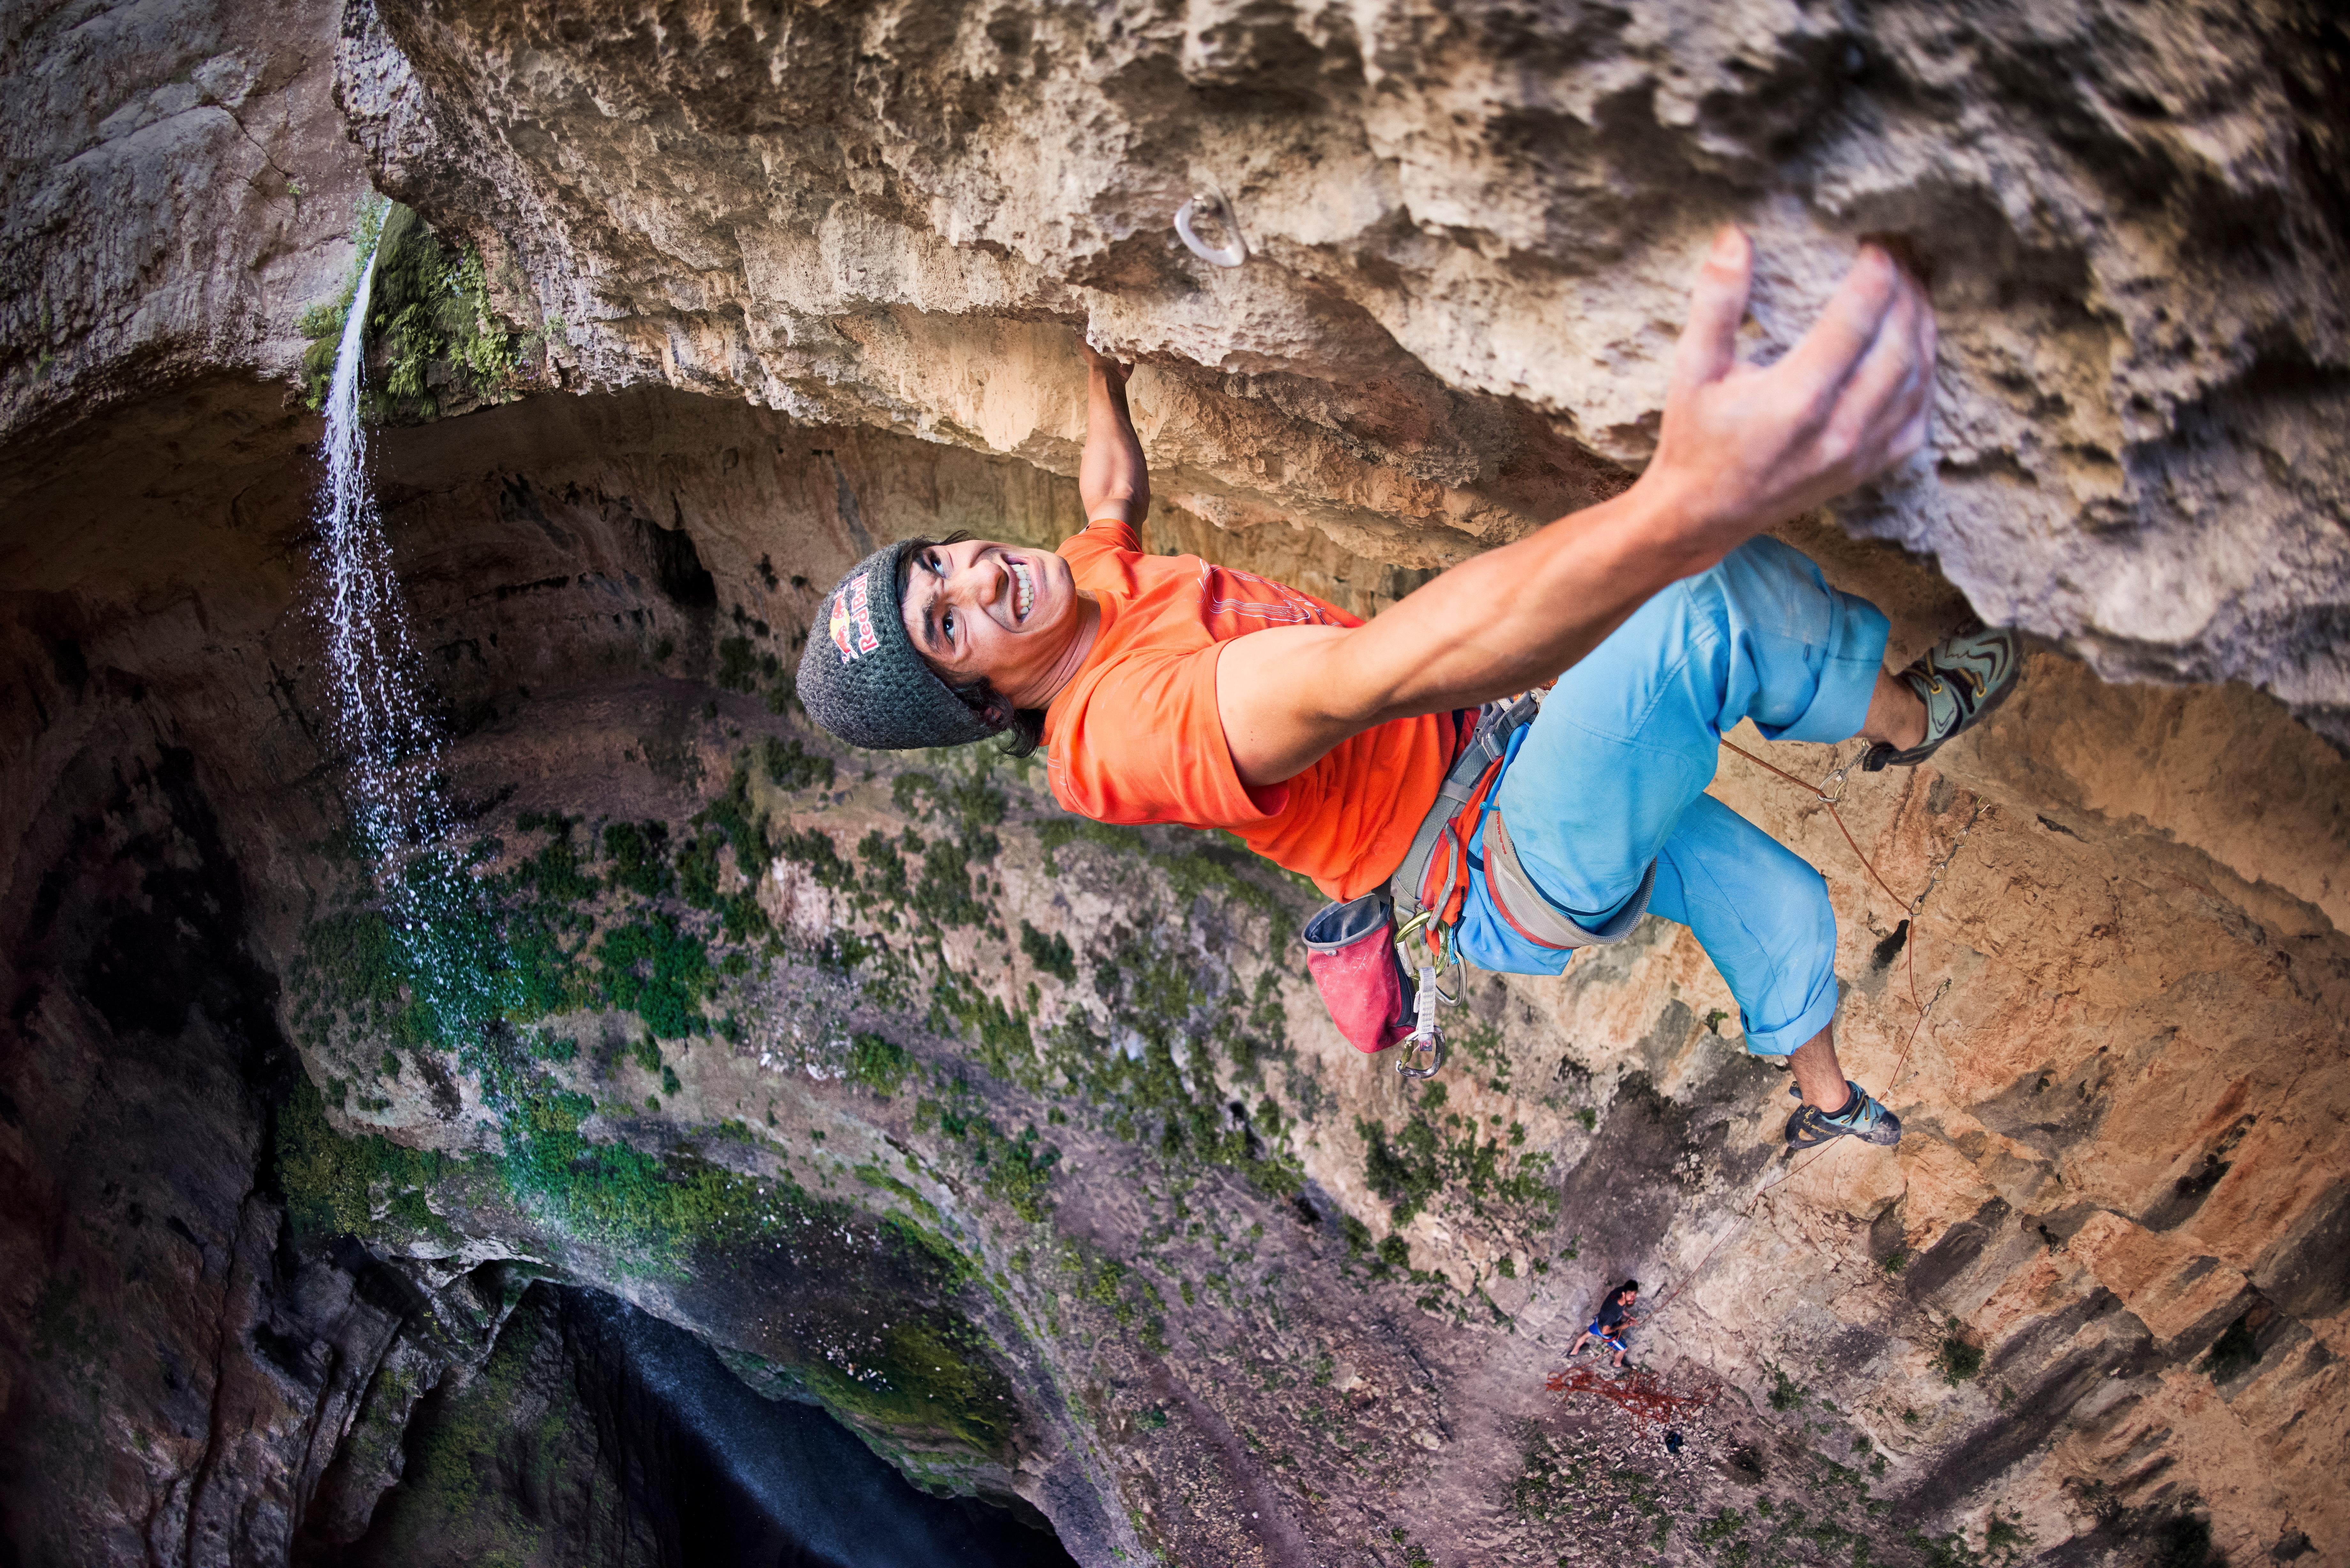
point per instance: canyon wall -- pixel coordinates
(1249, 1296)
(1152, 1252)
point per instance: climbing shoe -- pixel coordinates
(1958, 680)
(1862, 1117)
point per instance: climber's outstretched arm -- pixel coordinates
(1741, 448)
(1112, 479)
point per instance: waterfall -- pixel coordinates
(389, 743)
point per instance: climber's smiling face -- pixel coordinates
(977, 608)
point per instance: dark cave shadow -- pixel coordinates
(597, 1434)
(757, 1481)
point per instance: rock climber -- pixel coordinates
(1614, 1322)
(1169, 690)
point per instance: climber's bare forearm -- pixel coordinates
(1113, 480)
(1742, 447)
(1492, 627)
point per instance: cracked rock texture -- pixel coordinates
(1473, 227)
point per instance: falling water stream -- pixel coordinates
(389, 741)
(792, 1475)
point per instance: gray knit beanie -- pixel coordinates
(860, 677)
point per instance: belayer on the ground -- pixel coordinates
(1612, 1324)
(1169, 690)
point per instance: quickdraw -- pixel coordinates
(1423, 1052)
(1445, 880)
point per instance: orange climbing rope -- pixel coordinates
(1911, 907)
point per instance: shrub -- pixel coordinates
(658, 972)
(790, 765)
(1051, 954)
(639, 853)
(697, 872)
(880, 1064)
(1959, 1359)
(737, 664)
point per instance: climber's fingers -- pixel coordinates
(1884, 392)
(1817, 368)
(1098, 360)
(1709, 343)
(1911, 421)
(1911, 436)
(1899, 425)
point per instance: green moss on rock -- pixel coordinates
(364, 1185)
(430, 321)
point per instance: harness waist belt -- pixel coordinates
(1527, 909)
(1488, 743)
(1530, 912)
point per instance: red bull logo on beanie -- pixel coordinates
(852, 619)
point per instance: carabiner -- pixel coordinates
(1834, 781)
(1426, 1038)
(1431, 1044)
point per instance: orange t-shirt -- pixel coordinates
(1135, 736)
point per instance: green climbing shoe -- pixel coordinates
(1958, 680)
(1864, 1118)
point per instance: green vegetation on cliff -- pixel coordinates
(364, 1185)
(1437, 1147)
(927, 1374)
(430, 320)
(556, 932)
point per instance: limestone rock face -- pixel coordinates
(1323, 1308)
(1473, 228)
(179, 190)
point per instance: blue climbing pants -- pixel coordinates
(1612, 776)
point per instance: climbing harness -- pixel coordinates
(1380, 997)
(1379, 979)
(1210, 202)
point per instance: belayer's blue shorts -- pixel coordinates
(1607, 1339)
(1612, 774)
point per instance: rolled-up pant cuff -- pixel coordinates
(1783, 1039)
(1854, 657)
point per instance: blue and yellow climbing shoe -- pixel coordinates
(1862, 1117)
(1958, 680)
